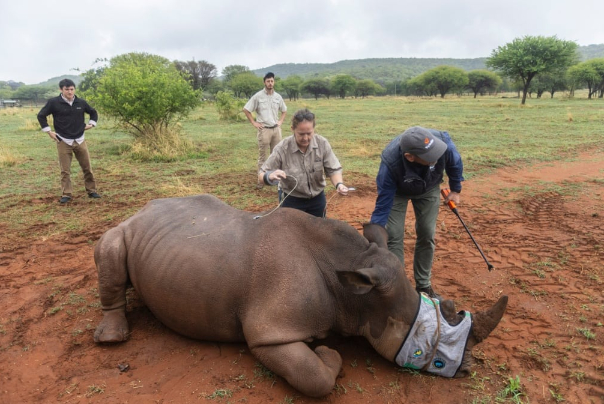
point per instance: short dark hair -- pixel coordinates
(302, 115)
(66, 83)
(269, 75)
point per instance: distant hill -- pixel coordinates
(54, 82)
(390, 69)
(379, 70)
(591, 51)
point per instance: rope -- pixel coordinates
(436, 307)
(327, 203)
(280, 203)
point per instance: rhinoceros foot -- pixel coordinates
(330, 358)
(113, 327)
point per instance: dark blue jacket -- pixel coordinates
(68, 120)
(398, 176)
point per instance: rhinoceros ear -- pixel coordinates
(374, 233)
(359, 281)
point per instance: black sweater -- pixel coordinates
(68, 119)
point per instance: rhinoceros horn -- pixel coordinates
(485, 321)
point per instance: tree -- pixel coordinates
(418, 86)
(343, 84)
(199, 73)
(524, 58)
(90, 78)
(6, 90)
(245, 84)
(228, 107)
(550, 82)
(446, 79)
(34, 93)
(316, 87)
(598, 66)
(292, 86)
(367, 87)
(480, 81)
(584, 74)
(146, 94)
(231, 71)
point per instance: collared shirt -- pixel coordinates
(80, 139)
(267, 107)
(308, 169)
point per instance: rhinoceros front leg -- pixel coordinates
(110, 259)
(312, 373)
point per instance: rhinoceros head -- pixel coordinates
(394, 305)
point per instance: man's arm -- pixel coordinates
(282, 118)
(43, 116)
(386, 188)
(43, 120)
(93, 116)
(454, 164)
(250, 118)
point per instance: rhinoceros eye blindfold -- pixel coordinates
(432, 344)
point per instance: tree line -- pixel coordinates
(147, 94)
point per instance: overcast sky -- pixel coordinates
(42, 39)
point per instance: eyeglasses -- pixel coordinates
(304, 116)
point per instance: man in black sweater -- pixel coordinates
(67, 112)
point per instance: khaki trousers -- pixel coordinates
(80, 151)
(268, 138)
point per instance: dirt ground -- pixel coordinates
(542, 228)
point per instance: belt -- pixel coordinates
(271, 127)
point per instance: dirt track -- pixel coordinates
(542, 228)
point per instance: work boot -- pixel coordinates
(64, 199)
(430, 292)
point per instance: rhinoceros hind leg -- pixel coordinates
(113, 327)
(312, 373)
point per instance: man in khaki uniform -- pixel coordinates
(267, 104)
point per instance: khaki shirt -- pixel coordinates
(267, 107)
(308, 168)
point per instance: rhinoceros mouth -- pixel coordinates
(432, 344)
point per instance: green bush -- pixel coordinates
(229, 108)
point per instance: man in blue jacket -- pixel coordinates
(68, 112)
(412, 169)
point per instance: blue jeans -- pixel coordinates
(315, 206)
(425, 207)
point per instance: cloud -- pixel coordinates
(52, 38)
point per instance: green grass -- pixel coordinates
(490, 132)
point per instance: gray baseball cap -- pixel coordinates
(421, 143)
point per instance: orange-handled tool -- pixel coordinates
(445, 192)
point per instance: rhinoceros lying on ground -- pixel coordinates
(212, 272)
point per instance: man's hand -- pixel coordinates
(453, 196)
(277, 175)
(53, 136)
(89, 126)
(342, 189)
(257, 125)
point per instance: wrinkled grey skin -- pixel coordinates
(212, 272)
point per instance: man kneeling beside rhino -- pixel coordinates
(211, 272)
